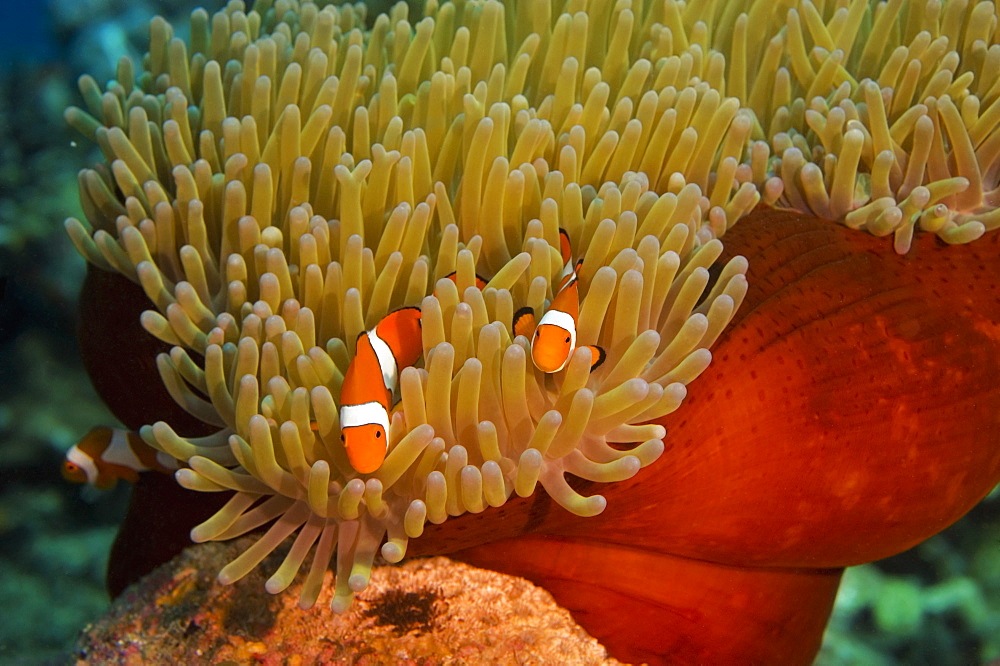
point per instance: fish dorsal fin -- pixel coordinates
(565, 247)
(480, 280)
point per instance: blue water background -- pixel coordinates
(26, 33)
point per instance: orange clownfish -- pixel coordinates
(554, 336)
(105, 455)
(371, 379)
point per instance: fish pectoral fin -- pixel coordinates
(108, 483)
(524, 322)
(397, 408)
(597, 356)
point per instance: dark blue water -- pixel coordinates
(26, 33)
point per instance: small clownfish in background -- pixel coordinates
(554, 336)
(105, 455)
(371, 379)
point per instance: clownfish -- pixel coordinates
(554, 337)
(105, 455)
(371, 379)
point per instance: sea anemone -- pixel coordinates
(283, 182)
(266, 247)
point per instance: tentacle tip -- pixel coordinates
(341, 604)
(593, 505)
(424, 431)
(357, 582)
(274, 585)
(392, 552)
(532, 456)
(631, 466)
(652, 450)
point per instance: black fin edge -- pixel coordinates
(601, 357)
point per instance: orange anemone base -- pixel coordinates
(651, 607)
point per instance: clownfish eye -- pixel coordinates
(567, 339)
(342, 437)
(378, 434)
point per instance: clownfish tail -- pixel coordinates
(598, 355)
(524, 321)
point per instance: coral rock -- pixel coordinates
(425, 611)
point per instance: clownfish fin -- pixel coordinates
(565, 247)
(598, 355)
(524, 322)
(480, 280)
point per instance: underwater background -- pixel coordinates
(936, 604)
